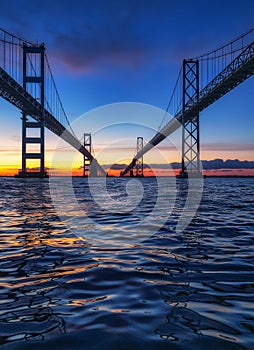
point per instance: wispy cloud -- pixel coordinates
(94, 36)
(228, 147)
(214, 164)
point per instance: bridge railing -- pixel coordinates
(211, 64)
(219, 72)
(28, 98)
(214, 62)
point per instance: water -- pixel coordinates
(176, 290)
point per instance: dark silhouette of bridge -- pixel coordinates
(201, 81)
(26, 81)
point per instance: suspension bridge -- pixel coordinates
(26, 81)
(201, 81)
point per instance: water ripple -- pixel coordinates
(188, 290)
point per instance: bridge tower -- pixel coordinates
(33, 80)
(139, 166)
(190, 128)
(87, 162)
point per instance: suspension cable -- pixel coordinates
(14, 36)
(241, 37)
(171, 98)
(58, 96)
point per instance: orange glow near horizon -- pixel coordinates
(78, 171)
(70, 161)
(11, 171)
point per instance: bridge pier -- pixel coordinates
(190, 128)
(139, 165)
(87, 161)
(33, 82)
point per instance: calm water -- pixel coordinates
(177, 290)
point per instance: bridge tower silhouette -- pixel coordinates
(31, 77)
(201, 81)
(139, 166)
(190, 128)
(27, 82)
(87, 161)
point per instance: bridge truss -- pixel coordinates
(202, 81)
(26, 81)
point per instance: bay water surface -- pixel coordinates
(192, 289)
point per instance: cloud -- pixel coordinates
(85, 34)
(115, 166)
(95, 47)
(228, 147)
(215, 164)
(92, 36)
(10, 152)
(228, 164)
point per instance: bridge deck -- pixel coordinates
(240, 69)
(14, 93)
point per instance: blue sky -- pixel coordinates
(112, 51)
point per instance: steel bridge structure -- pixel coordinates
(26, 81)
(201, 81)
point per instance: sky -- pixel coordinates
(105, 52)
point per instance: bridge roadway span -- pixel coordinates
(241, 68)
(14, 93)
